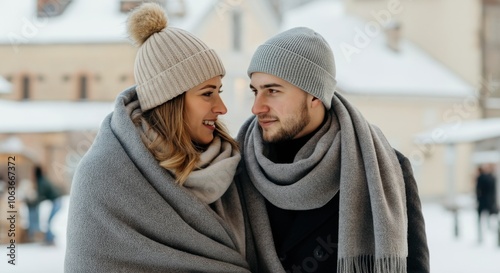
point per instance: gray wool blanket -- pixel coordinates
(347, 156)
(127, 214)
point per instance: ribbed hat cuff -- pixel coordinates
(179, 78)
(295, 69)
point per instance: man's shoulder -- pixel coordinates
(401, 156)
(404, 162)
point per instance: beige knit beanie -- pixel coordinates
(169, 60)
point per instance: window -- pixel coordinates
(492, 23)
(51, 8)
(25, 87)
(491, 57)
(127, 5)
(492, 40)
(237, 30)
(83, 87)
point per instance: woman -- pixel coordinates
(154, 193)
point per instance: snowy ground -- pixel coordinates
(448, 255)
(463, 254)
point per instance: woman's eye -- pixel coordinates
(220, 91)
(207, 94)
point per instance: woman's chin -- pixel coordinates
(203, 142)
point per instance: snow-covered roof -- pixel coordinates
(51, 116)
(5, 86)
(14, 145)
(376, 69)
(486, 157)
(461, 132)
(83, 21)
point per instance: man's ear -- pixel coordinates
(315, 102)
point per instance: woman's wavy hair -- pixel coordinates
(167, 137)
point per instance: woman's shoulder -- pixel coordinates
(104, 157)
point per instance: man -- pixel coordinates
(485, 196)
(322, 188)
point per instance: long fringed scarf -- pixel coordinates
(348, 155)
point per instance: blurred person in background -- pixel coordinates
(28, 193)
(485, 196)
(154, 193)
(3, 185)
(324, 190)
(46, 190)
(33, 194)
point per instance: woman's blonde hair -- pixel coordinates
(167, 138)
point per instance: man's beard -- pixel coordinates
(290, 127)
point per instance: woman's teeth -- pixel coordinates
(209, 122)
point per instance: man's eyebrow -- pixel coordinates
(269, 85)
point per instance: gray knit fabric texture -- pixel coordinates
(169, 63)
(301, 57)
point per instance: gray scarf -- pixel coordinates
(215, 171)
(127, 214)
(346, 154)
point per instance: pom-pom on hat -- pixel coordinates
(169, 60)
(301, 57)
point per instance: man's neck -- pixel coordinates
(285, 151)
(317, 118)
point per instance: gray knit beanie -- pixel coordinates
(301, 57)
(169, 60)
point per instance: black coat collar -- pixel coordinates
(303, 222)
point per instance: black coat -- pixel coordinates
(486, 193)
(306, 241)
